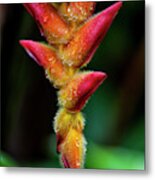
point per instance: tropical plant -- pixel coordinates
(72, 35)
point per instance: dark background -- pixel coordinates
(114, 114)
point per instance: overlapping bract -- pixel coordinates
(73, 37)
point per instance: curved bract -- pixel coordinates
(72, 35)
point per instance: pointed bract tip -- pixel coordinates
(23, 43)
(100, 76)
(113, 9)
(30, 47)
(26, 44)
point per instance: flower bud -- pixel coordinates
(73, 150)
(65, 120)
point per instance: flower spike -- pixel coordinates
(51, 25)
(80, 49)
(73, 37)
(75, 94)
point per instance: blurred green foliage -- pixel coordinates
(103, 157)
(7, 161)
(115, 126)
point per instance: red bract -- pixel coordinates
(75, 94)
(41, 53)
(51, 25)
(81, 48)
(46, 56)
